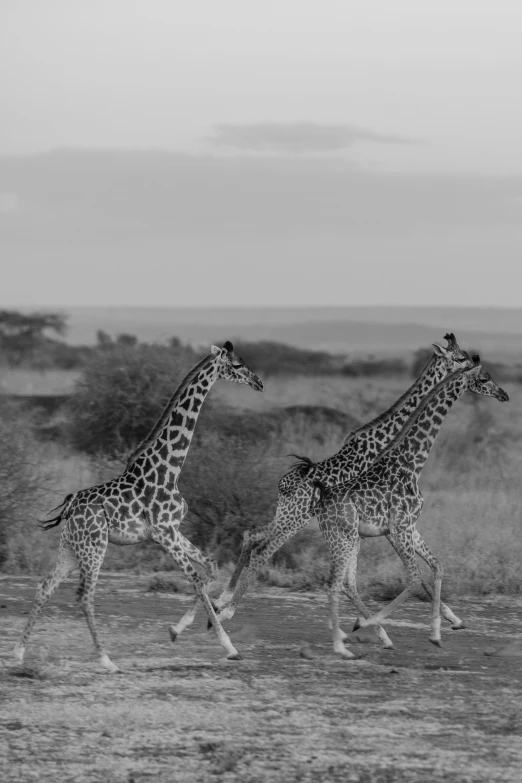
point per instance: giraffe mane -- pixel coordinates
(420, 410)
(155, 431)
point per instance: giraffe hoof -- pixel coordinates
(456, 627)
(235, 657)
(173, 633)
(210, 625)
(347, 655)
(356, 625)
(108, 665)
(436, 642)
(112, 669)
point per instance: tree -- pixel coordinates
(22, 335)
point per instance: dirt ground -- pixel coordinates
(290, 711)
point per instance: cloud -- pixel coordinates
(298, 137)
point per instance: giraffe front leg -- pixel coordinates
(423, 551)
(334, 587)
(353, 595)
(175, 544)
(403, 544)
(211, 569)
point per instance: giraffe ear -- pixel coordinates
(215, 350)
(439, 350)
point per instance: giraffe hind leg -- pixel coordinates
(66, 563)
(89, 545)
(249, 541)
(86, 591)
(291, 517)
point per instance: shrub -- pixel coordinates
(230, 485)
(23, 485)
(271, 358)
(121, 393)
(371, 367)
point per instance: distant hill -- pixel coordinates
(360, 330)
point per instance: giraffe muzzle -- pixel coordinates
(502, 395)
(256, 383)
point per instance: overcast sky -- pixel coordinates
(163, 72)
(398, 86)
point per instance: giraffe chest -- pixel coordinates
(382, 509)
(136, 510)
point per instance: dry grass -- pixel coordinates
(471, 486)
(23, 381)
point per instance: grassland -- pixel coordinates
(471, 486)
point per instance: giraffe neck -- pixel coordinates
(398, 414)
(415, 442)
(365, 444)
(168, 442)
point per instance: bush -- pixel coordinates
(230, 485)
(372, 367)
(23, 485)
(271, 358)
(122, 392)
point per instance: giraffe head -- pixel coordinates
(454, 357)
(232, 368)
(481, 382)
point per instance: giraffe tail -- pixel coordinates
(64, 506)
(305, 464)
(318, 490)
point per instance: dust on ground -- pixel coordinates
(290, 711)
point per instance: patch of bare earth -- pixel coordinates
(290, 711)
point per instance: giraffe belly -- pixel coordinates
(129, 531)
(373, 529)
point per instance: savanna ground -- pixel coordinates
(291, 710)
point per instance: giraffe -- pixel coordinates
(141, 504)
(386, 501)
(360, 448)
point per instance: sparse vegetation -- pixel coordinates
(24, 486)
(471, 482)
(121, 393)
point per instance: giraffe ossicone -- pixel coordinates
(142, 504)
